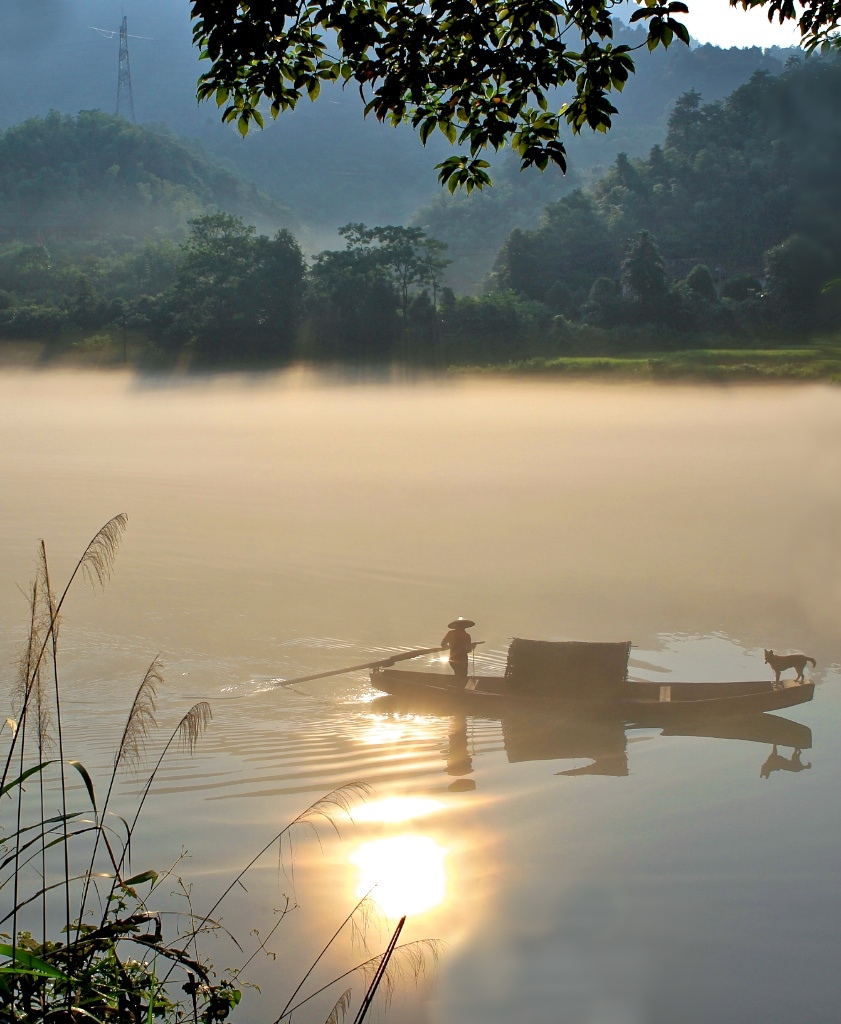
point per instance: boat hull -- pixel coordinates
(641, 704)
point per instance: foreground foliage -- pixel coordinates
(88, 938)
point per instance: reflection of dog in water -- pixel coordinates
(776, 762)
(780, 662)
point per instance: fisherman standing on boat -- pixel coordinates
(460, 645)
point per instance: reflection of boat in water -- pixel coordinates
(604, 741)
(598, 738)
(584, 676)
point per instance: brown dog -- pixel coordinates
(780, 662)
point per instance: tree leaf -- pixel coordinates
(24, 776)
(88, 781)
(144, 876)
(24, 962)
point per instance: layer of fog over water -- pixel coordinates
(281, 526)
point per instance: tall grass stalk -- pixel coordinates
(188, 731)
(141, 720)
(54, 621)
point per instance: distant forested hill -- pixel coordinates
(475, 226)
(733, 179)
(94, 174)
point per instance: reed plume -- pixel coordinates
(361, 909)
(380, 974)
(340, 1010)
(48, 625)
(340, 800)
(141, 720)
(188, 731)
(42, 611)
(395, 964)
(96, 564)
(98, 559)
(28, 688)
(193, 725)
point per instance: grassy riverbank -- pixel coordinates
(819, 361)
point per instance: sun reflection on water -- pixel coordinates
(399, 730)
(397, 808)
(405, 874)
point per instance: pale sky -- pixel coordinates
(715, 21)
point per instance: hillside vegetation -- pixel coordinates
(740, 204)
(94, 175)
(475, 226)
(726, 236)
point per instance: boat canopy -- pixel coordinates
(572, 669)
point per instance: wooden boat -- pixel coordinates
(642, 703)
(579, 677)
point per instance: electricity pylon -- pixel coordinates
(124, 94)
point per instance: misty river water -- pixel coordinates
(285, 525)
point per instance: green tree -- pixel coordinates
(698, 285)
(741, 288)
(410, 260)
(352, 307)
(605, 306)
(694, 301)
(498, 326)
(237, 294)
(482, 73)
(645, 280)
(94, 175)
(796, 271)
(86, 307)
(573, 244)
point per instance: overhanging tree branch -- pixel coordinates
(483, 72)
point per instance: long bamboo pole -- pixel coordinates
(382, 663)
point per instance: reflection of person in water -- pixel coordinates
(459, 644)
(459, 761)
(776, 762)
